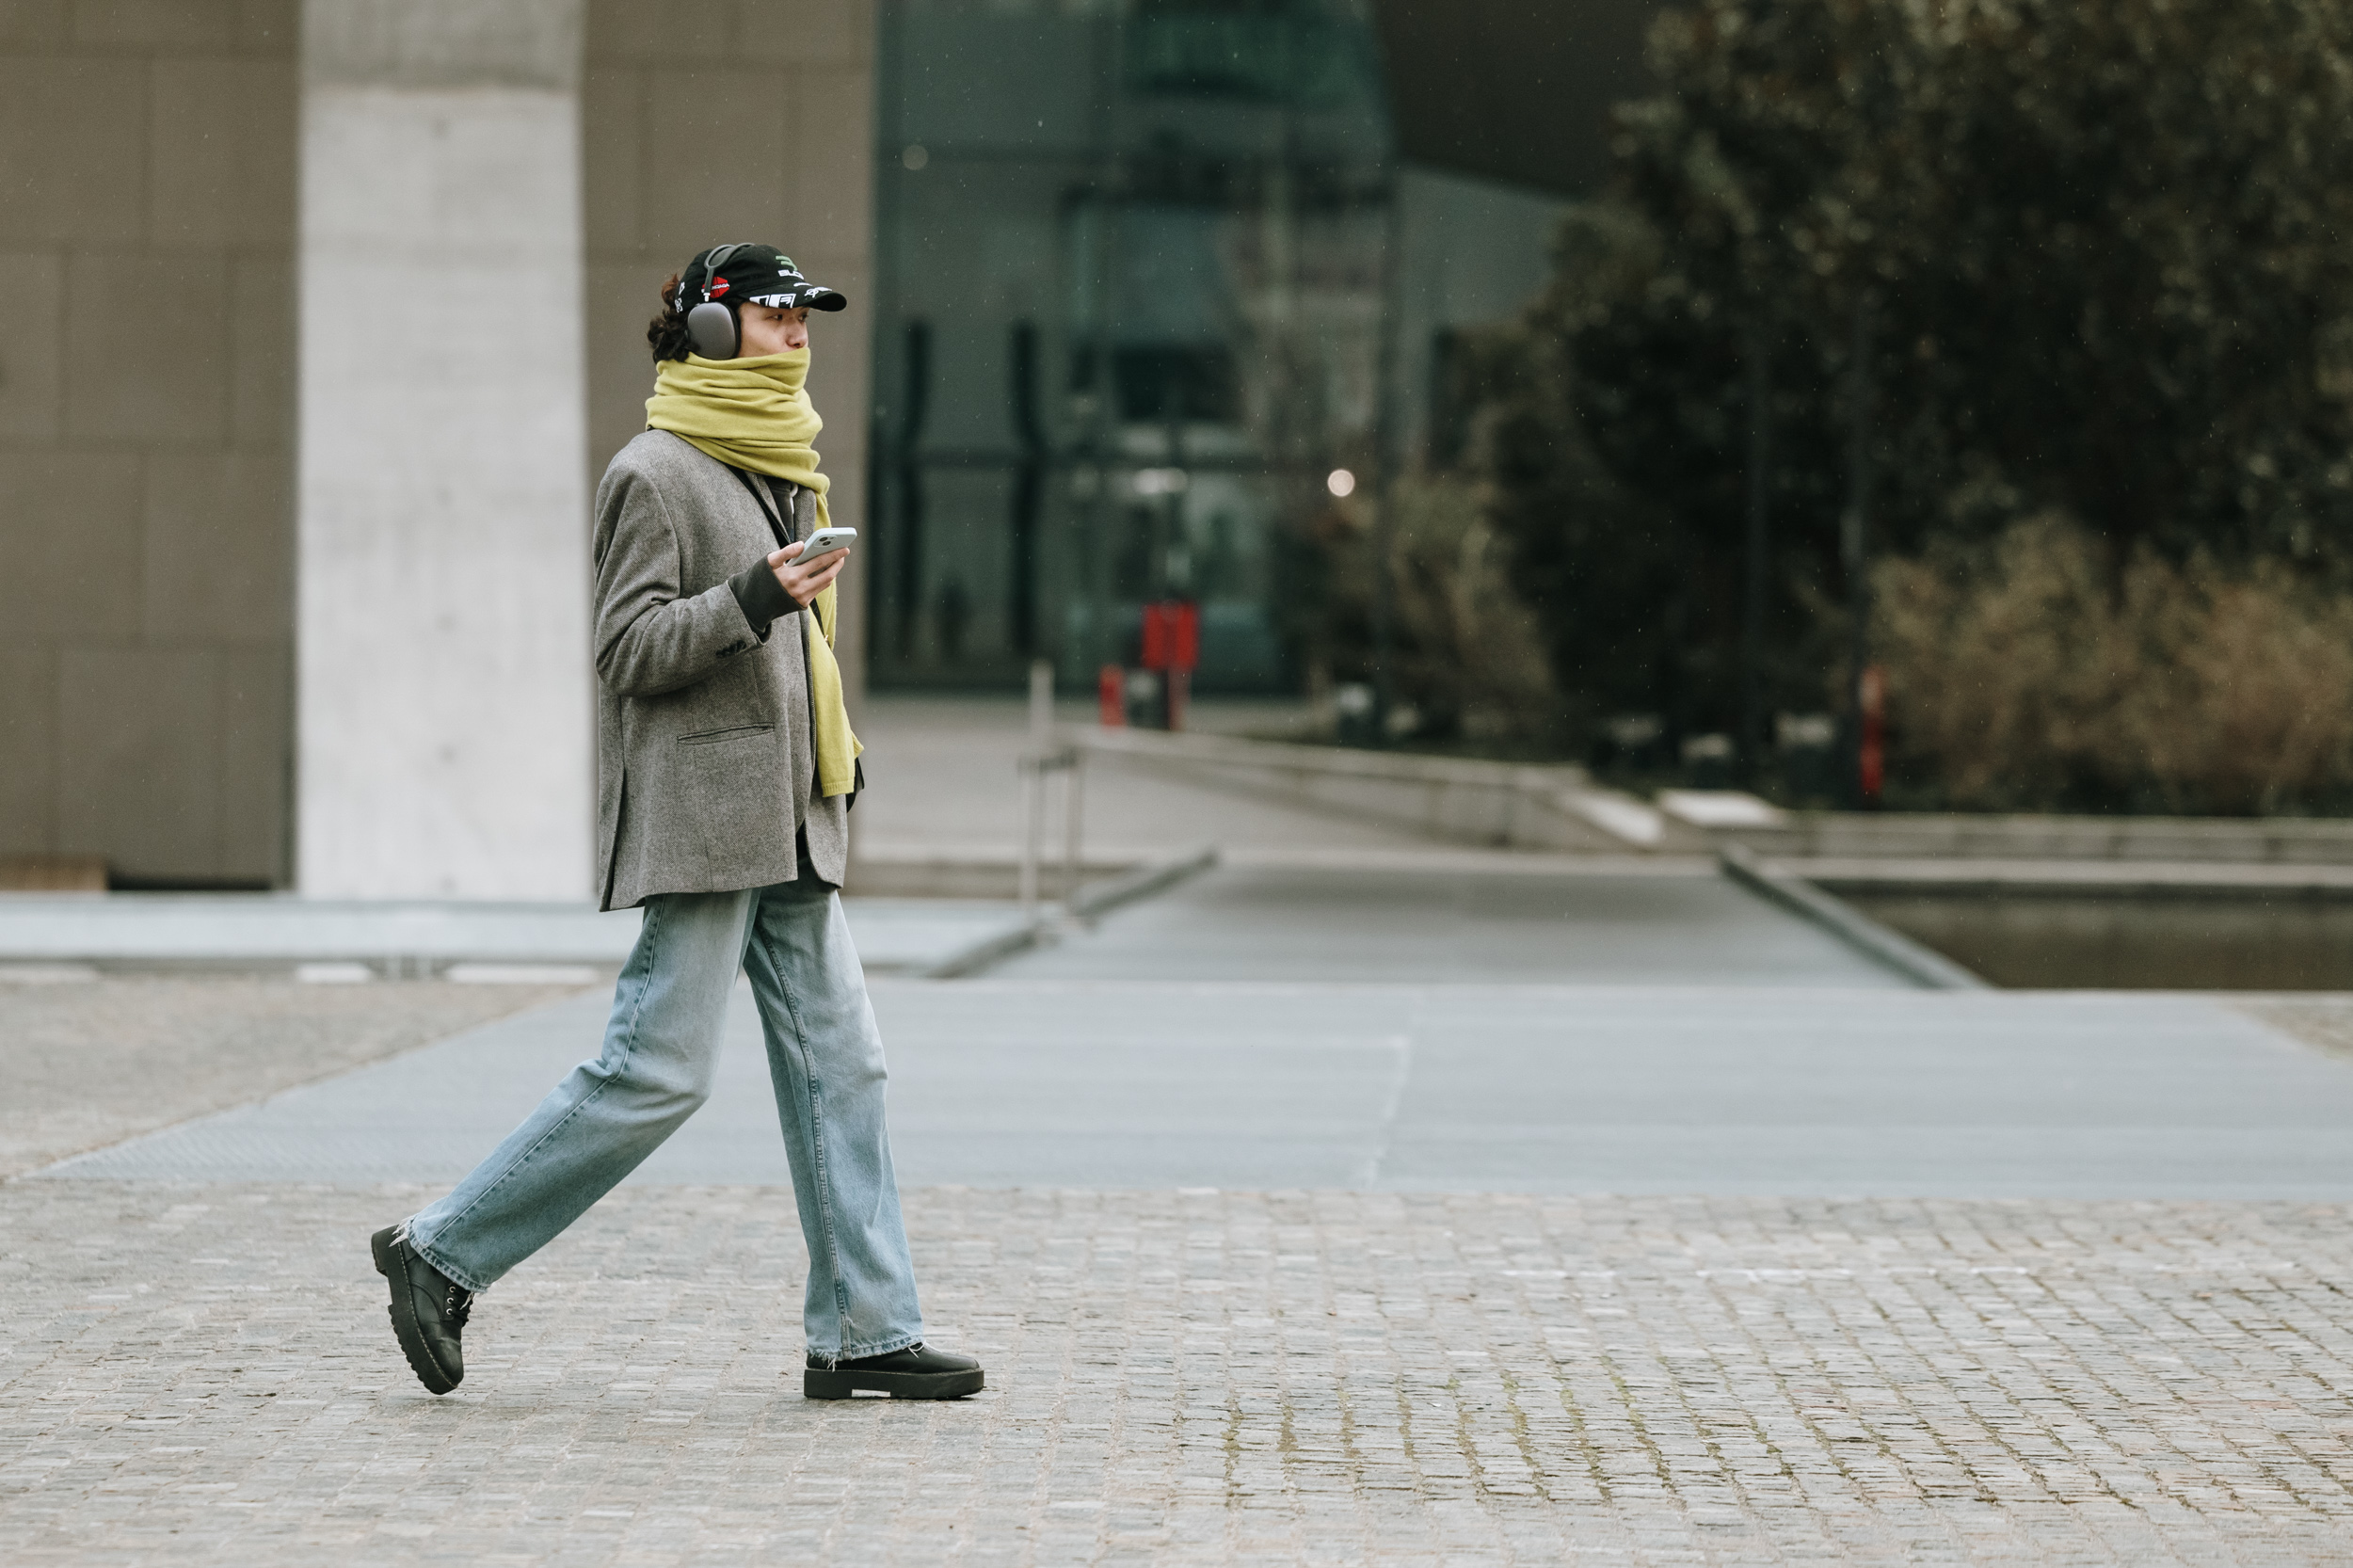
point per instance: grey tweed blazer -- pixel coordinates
(705, 765)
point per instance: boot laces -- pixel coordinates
(458, 1305)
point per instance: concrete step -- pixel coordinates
(1454, 800)
(52, 937)
(1561, 808)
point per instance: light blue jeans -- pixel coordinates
(660, 1053)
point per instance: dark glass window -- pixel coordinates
(1131, 288)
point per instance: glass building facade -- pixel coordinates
(1149, 272)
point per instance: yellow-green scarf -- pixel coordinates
(756, 414)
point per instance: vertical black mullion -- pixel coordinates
(1028, 487)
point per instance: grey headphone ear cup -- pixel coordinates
(712, 327)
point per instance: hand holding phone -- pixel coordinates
(806, 569)
(825, 542)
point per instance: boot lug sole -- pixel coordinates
(817, 1384)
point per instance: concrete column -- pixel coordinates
(443, 709)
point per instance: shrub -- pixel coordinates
(1466, 656)
(2038, 672)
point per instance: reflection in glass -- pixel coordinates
(1133, 279)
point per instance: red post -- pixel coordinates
(1873, 758)
(1172, 646)
(1111, 697)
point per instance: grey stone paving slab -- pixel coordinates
(892, 934)
(1681, 927)
(282, 927)
(946, 777)
(86, 1064)
(908, 936)
(202, 1375)
(1543, 1089)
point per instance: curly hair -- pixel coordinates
(667, 331)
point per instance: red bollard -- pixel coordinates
(1111, 697)
(1172, 646)
(1872, 760)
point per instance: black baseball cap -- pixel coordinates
(751, 275)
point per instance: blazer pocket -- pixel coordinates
(721, 737)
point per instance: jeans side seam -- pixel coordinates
(816, 1141)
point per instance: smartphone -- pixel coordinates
(825, 542)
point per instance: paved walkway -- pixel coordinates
(88, 1061)
(894, 935)
(200, 1375)
(945, 779)
(1461, 917)
(1402, 1257)
(1523, 1089)
(1287, 1368)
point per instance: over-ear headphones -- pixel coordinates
(710, 324)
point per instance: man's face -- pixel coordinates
(771, 330)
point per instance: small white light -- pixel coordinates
(1340, 483)
(916, 157)
(1160, 481)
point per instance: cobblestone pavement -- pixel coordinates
(89, 1063)
(202, 1374)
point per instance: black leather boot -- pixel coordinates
(428, 1310)
(918, 1372)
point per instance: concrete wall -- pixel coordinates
(445, 747)
(151, 270)
(147, 202)
(706, 122)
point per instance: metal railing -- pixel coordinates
(1041, 764)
